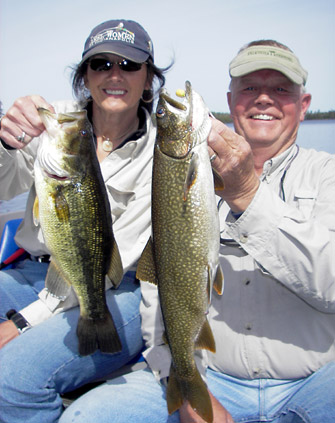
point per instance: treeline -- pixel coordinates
(225, 117)
(320, 115)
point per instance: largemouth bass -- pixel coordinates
(73, 210)
(182, 257)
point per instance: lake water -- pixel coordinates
(317, 134)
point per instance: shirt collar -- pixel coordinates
(140, 131)
(277, 163)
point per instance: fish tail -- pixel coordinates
(94, 334)
(194, 391)
(174, 394)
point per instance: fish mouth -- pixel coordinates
(68, 122)
(50, 165)
(46, 115)
(167, 100)
(181, 125)
(56, 177)
(174, 119)
(176, 106)
(51, 169)
(62, 129)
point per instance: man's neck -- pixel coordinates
(262, 154)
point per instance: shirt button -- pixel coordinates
(246, 282)
(248, 326)
(243, 239)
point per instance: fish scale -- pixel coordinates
(73, 211)
(182, 257)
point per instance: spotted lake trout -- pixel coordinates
(182, 257)
(73, 210)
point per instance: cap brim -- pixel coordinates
(250, 67)
(126, 52)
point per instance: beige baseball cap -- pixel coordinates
(255, 58)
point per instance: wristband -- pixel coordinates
(19, 321)
(6, 146)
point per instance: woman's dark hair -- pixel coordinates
(155, 74)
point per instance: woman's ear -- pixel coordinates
(86, 82)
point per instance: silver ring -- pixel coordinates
(213, 157)
(20, 138)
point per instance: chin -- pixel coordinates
(261, 141)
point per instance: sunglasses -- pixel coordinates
(104, 65)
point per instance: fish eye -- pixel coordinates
(83, 132)
(160, 112)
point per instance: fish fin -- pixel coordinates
(98, 333)
(165, 340)
(197, 395)
(146, 270)
(36, 212)
(194, 391)
(205, 339)
(61, 206)
(218, 181)
(192, 174)
(115, 271)
(55, 283)
(174, 396)
(215, 279)
(219, 281)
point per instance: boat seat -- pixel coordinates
(10, 252)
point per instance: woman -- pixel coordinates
(39, 348)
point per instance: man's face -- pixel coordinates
(267, 109)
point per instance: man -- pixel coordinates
(274, 326)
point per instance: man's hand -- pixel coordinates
(8, 331)
(22, 121)
(234, 163)
(221, 415)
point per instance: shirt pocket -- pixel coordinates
(305, 201)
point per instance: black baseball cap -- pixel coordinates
(121, 37)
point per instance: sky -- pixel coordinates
(41, 39)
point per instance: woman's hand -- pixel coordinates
(22, 122)
(8, 331)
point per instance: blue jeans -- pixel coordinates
(20, 286)
(42, 363)
(137, 397)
